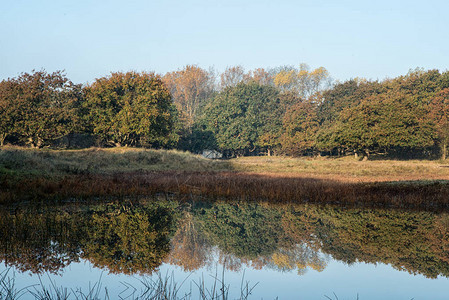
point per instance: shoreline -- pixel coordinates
(41, 174)
(426, 195)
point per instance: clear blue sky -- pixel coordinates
(89, 39)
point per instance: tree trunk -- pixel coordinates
(269, 152)
(356, 155)
(366, 155)
(444, 151)
(2, 139)
(35, 142)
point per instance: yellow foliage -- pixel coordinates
(281, 260)
(285, 79)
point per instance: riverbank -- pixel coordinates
(29, 175)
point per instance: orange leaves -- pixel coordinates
(190, 87)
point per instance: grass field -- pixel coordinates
(25, 162)
(29, 174)
(50, 163)
(345, 169)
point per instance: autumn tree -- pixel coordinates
(286, 80)
(39, 107)
(232, 76)
(131, 109)
(302, 80)
(190, 87)
(261, 76)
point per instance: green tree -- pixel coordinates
(8, 112)
(131, 109)
(300, 126)
(439, 109)
(240, 116)
(344, 95)
(384, 122)
(389, 116)
(39, 107)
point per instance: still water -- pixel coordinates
(285, 251)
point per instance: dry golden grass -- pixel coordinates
(50, 163)
(345, 169)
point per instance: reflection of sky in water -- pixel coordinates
(369, 281)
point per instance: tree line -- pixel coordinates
(285, 110)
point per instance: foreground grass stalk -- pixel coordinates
(157, 288)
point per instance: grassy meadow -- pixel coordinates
(37, 174)
(345, 169)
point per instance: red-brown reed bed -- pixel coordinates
(232, 185)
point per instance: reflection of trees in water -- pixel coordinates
(298, 258)
(253, 235)
(136, 237)
(189, 247)
(129, 238)
(244, 230)
(36, 241)
(404, 239)
(440, 237)
(265, 235)
(123, 238)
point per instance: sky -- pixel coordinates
(89, 39)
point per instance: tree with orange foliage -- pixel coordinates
(190, 89)
(232, 76)
(261, 76)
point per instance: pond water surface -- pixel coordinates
(286, 251)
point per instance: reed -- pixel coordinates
(433, 195)
(41, 175)
(158, 287)
(8, 288)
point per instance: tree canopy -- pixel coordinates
(38, 107)
(131, 109)
(239, 117)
